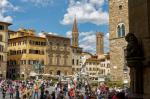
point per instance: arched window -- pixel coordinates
(1, 37)
(1, 57)
(119, 31)
(123, 30)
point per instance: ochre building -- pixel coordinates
(25, 51)
(3, 48)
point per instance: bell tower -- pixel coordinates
(99, 43)
(75, 34)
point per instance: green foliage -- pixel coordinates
(94, 83)
(115, 84)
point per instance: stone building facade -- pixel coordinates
(58, 55)
(76, 53)
(3, 48)
(118, 28)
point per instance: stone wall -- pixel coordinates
(118, 14)
(117, 59)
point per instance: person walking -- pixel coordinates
(4, 91)
(53, 95)
(17, 92)
(71, 93)
(47, 95)
(36, 91)
(11, 91)
(42, 88)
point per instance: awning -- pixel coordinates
(32, 73)
(46, 74)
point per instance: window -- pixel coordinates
(120, 7)
(14, 43)
(77, 62)
(24, 51)
(30, 62)
(42, 52)
(72, 61)
(121, 30)
(1, 27)
(1, 48)
(1, 57)
(90, 69)
(30, 51)
(1, 38)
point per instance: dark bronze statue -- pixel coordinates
(134, 49)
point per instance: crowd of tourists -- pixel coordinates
(38, 89)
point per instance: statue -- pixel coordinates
(38, 67)
(134, 49)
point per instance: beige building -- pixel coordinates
(98, 67)
(76, 59)
(58, 55)
(3, 48)
(118, 28)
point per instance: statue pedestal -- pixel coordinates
(135, 96)
(136, 76)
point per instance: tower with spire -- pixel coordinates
(75, 34)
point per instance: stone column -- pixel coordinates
(136, 75)
(135, 58)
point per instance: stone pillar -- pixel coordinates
(136, 75)
(135, 60)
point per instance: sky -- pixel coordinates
(57, 16)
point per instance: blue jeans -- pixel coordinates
(35, 95)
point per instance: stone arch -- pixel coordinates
(58, 72)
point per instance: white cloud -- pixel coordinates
(5, 19)
(39, 2)
(69, 34)
(6, 6)
(52, 33)
(106, 42)
(86, 11)
(87, 40)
